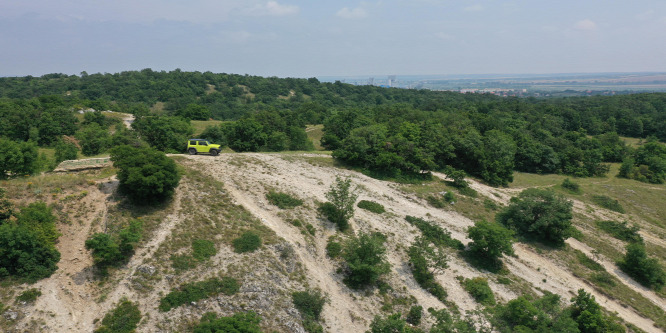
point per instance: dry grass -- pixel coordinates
(315, 133)
(200, 125)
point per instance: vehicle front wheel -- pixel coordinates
(214, 152)
(192, 151)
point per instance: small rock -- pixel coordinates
(11, 315)
(147, 269)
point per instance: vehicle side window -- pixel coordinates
(193, 143)
(203, 143)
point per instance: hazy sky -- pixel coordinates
(301, 38)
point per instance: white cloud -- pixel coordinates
(585, 25)
(273, 8)
(356, 13)
(444, 36)
(474, 8)
(644, 16)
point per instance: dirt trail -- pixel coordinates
(67, 294)
(251, 174)
(560, 281)
(535, 269)
(615, 271)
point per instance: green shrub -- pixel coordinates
(608, 203)
(309, 303)
(283, 200)
(589, 317)
(449, 197)
(105, 250)
(245, 322)
(334, 215)
(392, 323)
(436, 201)
(588, 262)
(414, 315)
(65, 151)
(479, 289)
(203, 249)
(192, 292)
(490, 240)
(490, 204)
(340, 208)
(145, 174)
(570, 185)
(603, 278)
(247, 242)
(371, 206)
(435, 234)
(182, 262)
(23, 254)
(540, 214)
(365, 257)
(310, 229)
(421, 258)
(621, 230)
(468, 191)
(333, 248)
(647, 271)
(29, 295)
(17, 158)
(124, 318)
(39, 218)
(108, 250)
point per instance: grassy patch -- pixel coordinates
(571, 186)
(200, 125)
(124, 318)
(283, 200)
(435, 234)
(608, 203)
(247, 242)
(588, 262)
(192, 292)
(29, 295)
(372, 206)
(479, 289)
(620, 230)
(315, 133)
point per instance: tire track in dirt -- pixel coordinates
(567, 282)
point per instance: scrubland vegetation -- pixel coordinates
(564, 187)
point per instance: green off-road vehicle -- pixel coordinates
(199, 146)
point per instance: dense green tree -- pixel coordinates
(39, 218)
(340, 207)
(490, 240)
(246, 135)
(24, 254)
(65, 151)
(365, 258)
(541, 214)
(587, 314)
(168, 134)
(17, 158)
(194, 112)
(639, 266)
(146, 175)
(498, 159)
(93, 139)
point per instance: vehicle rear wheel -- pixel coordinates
(214, 152)
(192, 151)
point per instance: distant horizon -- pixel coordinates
(458, 75)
